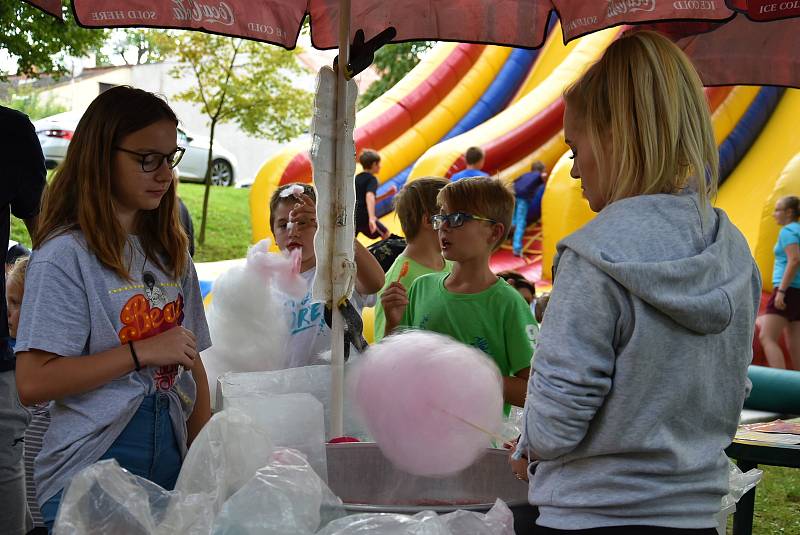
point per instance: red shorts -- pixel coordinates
(792, 300)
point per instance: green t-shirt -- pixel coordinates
(497, 320)
(415, 270)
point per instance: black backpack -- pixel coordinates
(386, 251)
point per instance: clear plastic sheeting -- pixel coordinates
(105, 498)
(286, 497)
(739, 483)
(223, 457)
(314, 380)
(292, 420)
(498, 521)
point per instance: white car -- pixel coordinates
(55, 133)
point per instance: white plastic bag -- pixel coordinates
(292, 421)
(314, 380)
(498, 521)
(286, 497)
(739, 483)
(104, 498)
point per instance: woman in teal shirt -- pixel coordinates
(783, 307)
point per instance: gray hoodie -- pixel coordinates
(639, 375)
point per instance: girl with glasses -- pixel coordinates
(112, 319)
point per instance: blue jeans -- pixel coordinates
(146, 447)
(520, 223)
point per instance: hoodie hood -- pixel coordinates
(690, 263)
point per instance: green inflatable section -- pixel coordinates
(774, 390)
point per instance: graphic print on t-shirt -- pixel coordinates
(305, 314)
(147, 314)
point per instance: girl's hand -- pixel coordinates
(394, 300)
(373, 225)
(780, 301)
(175, 346)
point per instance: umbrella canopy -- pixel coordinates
(730, 41)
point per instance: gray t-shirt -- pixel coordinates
(75, 306)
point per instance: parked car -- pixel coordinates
(55, 133)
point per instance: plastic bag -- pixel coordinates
(314, 380)
(497, 521)
(292, 421)
(105, 498)
(286, 497)
(739, 483)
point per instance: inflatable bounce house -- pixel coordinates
(508, 102)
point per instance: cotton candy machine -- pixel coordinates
(368, 483)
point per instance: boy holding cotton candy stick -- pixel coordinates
(471, 304)
(293, 221)
(414, 206)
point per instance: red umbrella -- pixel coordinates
(731, 41)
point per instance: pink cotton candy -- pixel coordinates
(282, 269)
(413, 391)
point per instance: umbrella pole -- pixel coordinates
(339, 241)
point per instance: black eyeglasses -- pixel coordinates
(456, 219)
(152, 160)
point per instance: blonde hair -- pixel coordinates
(17, 273)
(482, 196)
(646, 99)
(414, 201)
(79, 195)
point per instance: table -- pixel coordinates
(749, 455)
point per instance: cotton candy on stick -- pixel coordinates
(428, 401)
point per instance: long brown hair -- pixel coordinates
(79, 195)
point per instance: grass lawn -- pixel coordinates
(777, 502)
(228, 228)
(227, 231)
(228, 236)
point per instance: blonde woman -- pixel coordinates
(640, 370)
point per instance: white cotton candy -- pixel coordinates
(247, 318)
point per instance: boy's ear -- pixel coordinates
(498, 231)
(426, 221)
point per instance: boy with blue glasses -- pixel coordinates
(471, 304)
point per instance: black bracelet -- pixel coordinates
(780, 291)
(135, 358)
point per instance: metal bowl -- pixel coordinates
(367, 482)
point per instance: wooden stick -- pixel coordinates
(497, 438)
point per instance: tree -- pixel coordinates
(30, 102)
(144, 45)
(41, 44)
(392, 63)
(239, 81)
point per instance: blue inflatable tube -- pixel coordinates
(744, 134)
(494, 99)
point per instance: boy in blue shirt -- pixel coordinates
(475, 159)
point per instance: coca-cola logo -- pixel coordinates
(212, 13)
(622, 7)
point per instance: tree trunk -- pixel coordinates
(202, 238)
